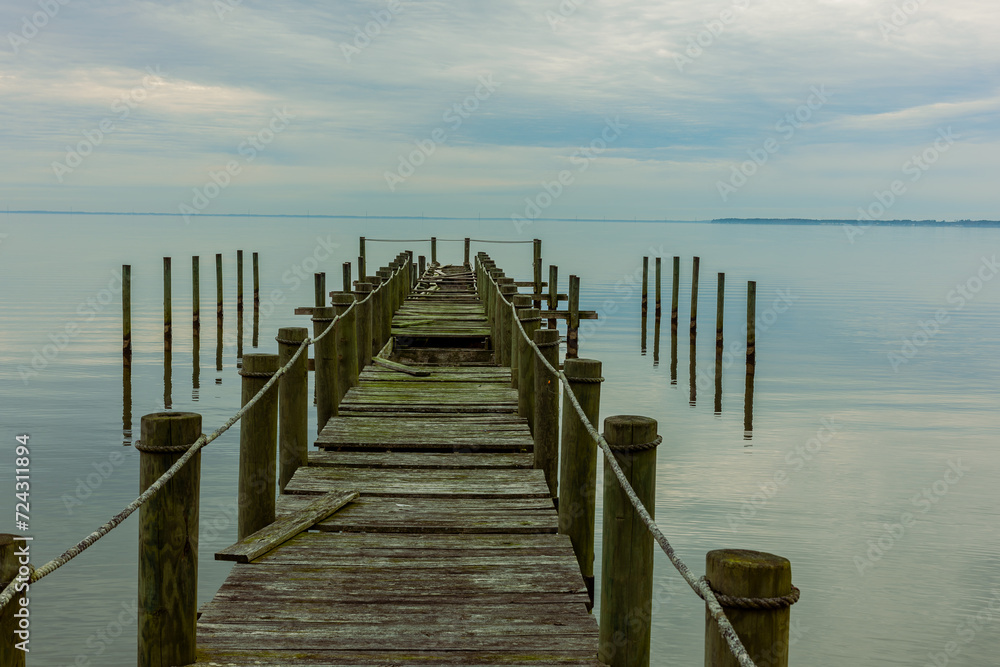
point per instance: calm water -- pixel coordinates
(857, 437)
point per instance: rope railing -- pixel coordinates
(48, 568)
(440, 239)
(700, 585)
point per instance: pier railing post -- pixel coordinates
(434, 250)
(627, 545)
(387, 308)
(293, 405)
(347, 277)
(526, 366)
(537, 273)
(325, 377)
(319, 280)
(521, 301)
(578, 464)
(546, 410)
(10, 568)
(258, 446)
(411, 272)
(421, 266)
(764, 632)
(362, 258)
(168, 541)
(553, 293)
(376, 306)
(504, 315)
(573, 323)
(362, 292)
(468, 243)
(346, 333)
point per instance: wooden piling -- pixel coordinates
(573, 323)
(578, 464)
(239, 281)
(720, 302)
(377, 314)
(675, 296)
(362, 260)
(256, 280)
(751, 323)
(10, 569)
(656, 306)
(553, 293)
(645, 281)
(434, 251)
(167, 315)
(195, 294)
(504, 318)
(536, 265)
(530, 321)
(325, 355)
(319, 286)
(348, 284)
(627, 545)
(293, 405)
(218, 286)
(468, 246)
(521, 302)
(739, 573)
(168, 541)
(387, 306)
(546, 409)
(421, 265)
(127, 311)
(411, 272)
(694, 295)
(346, 334)
(362, 293)
(258, 445)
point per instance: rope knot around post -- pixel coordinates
(736, 602)
(256, 374)
(636, 447)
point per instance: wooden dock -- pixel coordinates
(449, 556)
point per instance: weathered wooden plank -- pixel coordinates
(399, 483)
(423, 460)
(257, 544)
(400, 368)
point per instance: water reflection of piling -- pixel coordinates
(692, 380)
(751, 359)
(656, 341)
(218, 349)
(748, 405)
(167, 381)
(126, 403)
(195, 365)
(256, 325)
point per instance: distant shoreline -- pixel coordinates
(738, 221)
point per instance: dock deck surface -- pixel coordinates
(450, 556)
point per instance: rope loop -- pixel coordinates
(637, 447)
(542, 346)
(256, 374)
(754, 603)
(165, 449)
(323, 319)
(585, 380)
(285, 341)
(529, 319)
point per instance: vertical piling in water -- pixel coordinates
(10, 569)
(553, 293)
(656, 305)
(720, 302)
(196, 294)
(627, 545)
(387, 305)
(520, 302)
(421, 265)
(536, 265)
(325, 355)
(573, 321)
(258, 445)
(675, 296)
(504, 317)
(546, 410)
(218, 286)
(468, 245)
(127, 311)
(364, 308)
(694, 295)
(362, 260)
(377, 314)
(739, 573)
(434, 251)
(348, 285)
(293, 404)
(346, 333)
(239, 281)
(530, 320)
(751, 323)
(256, 280)
(411, 271)
(168, 541)
(578, 464)
(319, 287)
(167, 315)
(645, 281)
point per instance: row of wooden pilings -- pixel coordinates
(276, 424)
(626, 603)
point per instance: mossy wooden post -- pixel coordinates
(573, 323)
(504, 317)
(421, 266)
(362, 259)
(434, 251)
(319, 289)
(694, 295)
(377, 314)
(656, 304)
(239, 280)
(675, 296)
(553, 293)
(167, 315)
(536, 266)
(492, 290)
(362, 291)
(293, 405)
(218, 286)
(325, 355)
(387, 309)
(578, 464)
(168, 541)
(127, 311)
(520, 301)
(526, 366)
(256, 280)
(468, 248)
(645, 281)
(546, 410)
(763, 632)
(10, 569)
(751, 324)
(348, 283)
(411, 272)
(346, 333)
(196, 294)
(258, 445)
(627, 545)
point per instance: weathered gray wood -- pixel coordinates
(239, 280)
(573, 323)
(258, 446)
(195, 294)
(530, 322)
(253, 546)
(168, 542)
(546, 410)
(675, 295)
(256, 280)
(751, 324)
(401, 368)
(325, 354)
(127, 310)
(694, 295)
(346, 335)
(362, 259)
(521, 301)
(293, 405)
(362, 293)
(319, 285)
(399, 483)
(416, 460)
(218, 286)
(10, 655)
(167, 315)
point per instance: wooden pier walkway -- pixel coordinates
(449, 556)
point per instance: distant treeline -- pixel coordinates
(897, 223)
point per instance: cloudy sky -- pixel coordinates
(670, 109)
